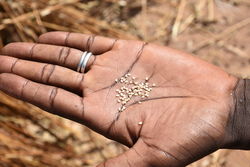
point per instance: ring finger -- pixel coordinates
(59, 55)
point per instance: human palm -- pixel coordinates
(183, 118)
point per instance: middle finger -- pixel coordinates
(42, 72)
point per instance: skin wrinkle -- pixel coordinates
(137, 57)
(196, 143)
(90, 42)
(111, 127)
(160, 116)
(212, 139)
(13, 65)
(143, 160)
(43, 71)
(66, 55)
(51, 71)
(133, 138)
(81, 82)
(152, 74)
(160, 150)
(188, 152)
(139, 132)
(133, 148)
(60, 54)
(66, 39)
(113, 44)
(129, 69)
(23, 87)
(110, 87)
(210, 125)
(127, 160)
(35, 94)
(163, 97)
(179, 87)
(52, 97)
(32, 51)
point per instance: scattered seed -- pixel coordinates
(132, 89)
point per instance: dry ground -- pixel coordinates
(217, 31)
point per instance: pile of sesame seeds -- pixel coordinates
(131, 88)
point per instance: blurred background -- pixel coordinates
(217, 31)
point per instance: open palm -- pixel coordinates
(183, 118)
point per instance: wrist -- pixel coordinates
(238, 129)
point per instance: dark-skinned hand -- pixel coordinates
(185, 117)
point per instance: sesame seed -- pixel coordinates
(140, 123)
(131, 89)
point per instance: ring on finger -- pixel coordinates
(84, 61)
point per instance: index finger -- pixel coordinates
(95, 44)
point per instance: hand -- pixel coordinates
(184, 117)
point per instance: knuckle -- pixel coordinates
(47, 72)
(13, 65)
(24, 85)
(52, 96)
(63, 55)
(90, 41)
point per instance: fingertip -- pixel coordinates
(54, 37)
(16, 49)
(6, 47)
(7, 85)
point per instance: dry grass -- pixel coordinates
(30, 137)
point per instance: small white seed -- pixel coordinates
(140, 123)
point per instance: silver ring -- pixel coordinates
(81, 61)
(85, 62)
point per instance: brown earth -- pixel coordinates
(217, 31)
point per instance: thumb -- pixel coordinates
(140, 155)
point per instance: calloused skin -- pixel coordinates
(184, 119)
